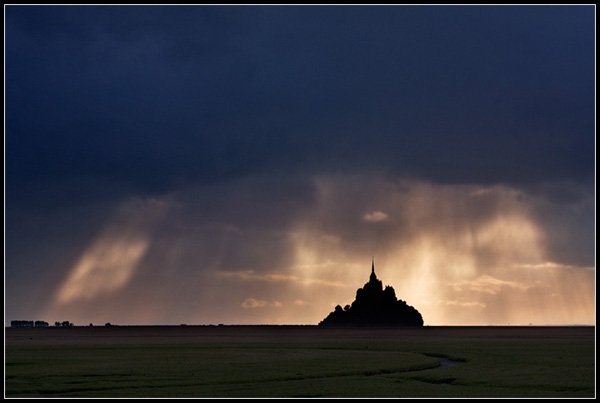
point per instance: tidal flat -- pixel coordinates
(300, 361)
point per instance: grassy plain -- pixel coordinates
(300, 361)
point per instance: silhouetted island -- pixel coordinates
(374, 306)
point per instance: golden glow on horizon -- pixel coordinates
(452, 268)
(461, 255)
(444, 267)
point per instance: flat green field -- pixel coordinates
(300, 361)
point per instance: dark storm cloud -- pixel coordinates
(161, 96)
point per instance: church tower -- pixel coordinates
(373, 277)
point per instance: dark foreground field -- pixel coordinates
(300, 361)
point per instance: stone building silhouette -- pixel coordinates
(374, 306)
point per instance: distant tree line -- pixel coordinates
(38, 323)
(41, 323)
(28, 323)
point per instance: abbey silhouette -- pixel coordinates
(374, 306)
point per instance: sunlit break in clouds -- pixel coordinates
(107, 265)
(243, 165)
(460, 254)
(111, 260)
(375, 216)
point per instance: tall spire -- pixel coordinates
(373, 276)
